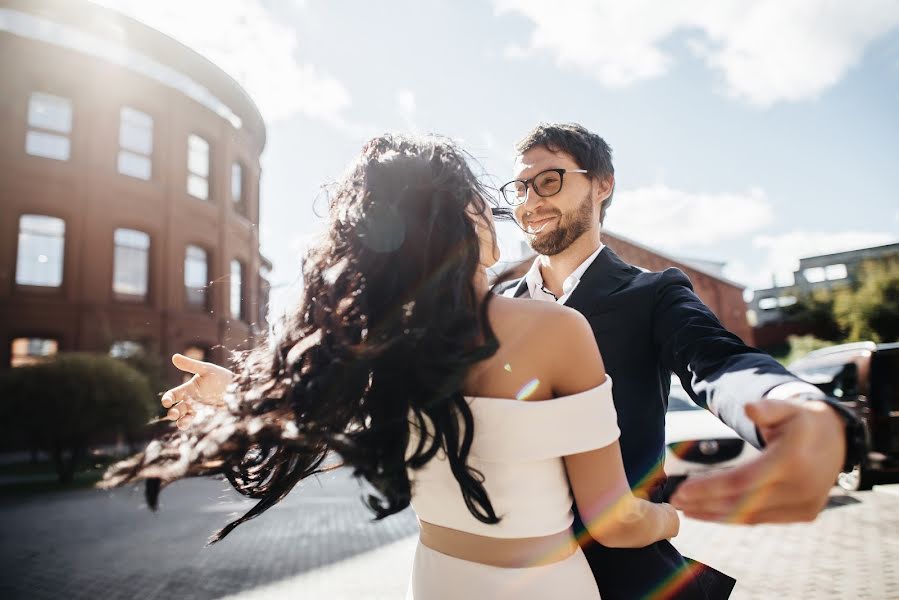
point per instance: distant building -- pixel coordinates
(129, 191)
(824, 272)
(723, 296)
(771, 323)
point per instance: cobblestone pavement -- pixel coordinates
(321, 543)
(94, 544)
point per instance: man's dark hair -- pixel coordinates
(589, 151)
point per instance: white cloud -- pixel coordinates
(782, 252)
(244, 40)
(768, 51)
(673, 220)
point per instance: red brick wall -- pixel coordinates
(724, 298)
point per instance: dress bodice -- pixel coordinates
(519, 447)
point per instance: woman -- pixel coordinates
(477, 410)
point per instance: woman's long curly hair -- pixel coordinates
(387, 329)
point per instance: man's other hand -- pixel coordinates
(790, 479)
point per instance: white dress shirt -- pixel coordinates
(536, 289)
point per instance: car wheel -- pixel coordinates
(857, 480)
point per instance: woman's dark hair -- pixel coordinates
(388, 326)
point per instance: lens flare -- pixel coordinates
(528, 390)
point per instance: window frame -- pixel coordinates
(121, 296)
(46, 130)
(132, 150)
(196, 175)
(51, 288)
(206, 288)
(241, 313)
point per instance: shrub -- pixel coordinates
(65, 405)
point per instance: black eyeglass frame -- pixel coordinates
(530, 182)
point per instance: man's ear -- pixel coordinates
(603, 188)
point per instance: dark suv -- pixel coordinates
(865, 377)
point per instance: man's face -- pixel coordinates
(553, 223)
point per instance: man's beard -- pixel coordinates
(571, 226)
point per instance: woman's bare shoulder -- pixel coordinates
(537, 313)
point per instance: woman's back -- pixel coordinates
(535, 357)
(527, 417)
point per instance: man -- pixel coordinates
(649, 325)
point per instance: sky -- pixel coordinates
(747, 133)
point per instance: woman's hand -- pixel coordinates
(206, 387)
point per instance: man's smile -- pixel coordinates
(534, 226)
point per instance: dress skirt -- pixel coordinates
(437, 576)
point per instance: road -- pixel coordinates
(321, 543)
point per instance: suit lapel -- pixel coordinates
(521, 288)
(606, 275)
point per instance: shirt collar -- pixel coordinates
(534, 279)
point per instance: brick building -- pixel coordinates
(129, 190)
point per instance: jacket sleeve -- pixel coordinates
(716, 368)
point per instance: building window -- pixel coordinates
(40, 255)
(131, 268)
(236, 290)
(814, 274)
(126, 349)
(49, 126)
(767, 303)
(196, 270)
(828, 273)
(197, 167)
(237, 184)
(836, 272)
(196, 353)
(135, 143)
(786, 301)
(29, 351)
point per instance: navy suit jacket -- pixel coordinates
(649, 325)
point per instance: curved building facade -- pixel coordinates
(129, 190)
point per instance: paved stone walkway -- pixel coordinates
(321, 543)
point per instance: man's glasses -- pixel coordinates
(546, 183)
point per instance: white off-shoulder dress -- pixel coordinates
(519, 447)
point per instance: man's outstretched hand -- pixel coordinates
(790, 479)
(207, 386)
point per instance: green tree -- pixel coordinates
(65, 405)
(817, 309)
(871, 310)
